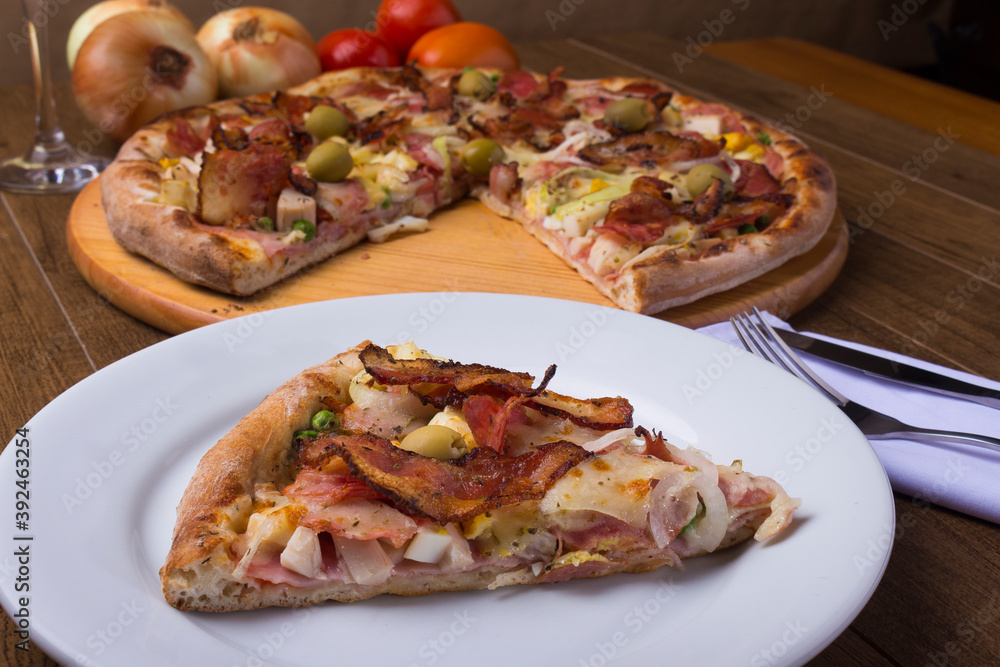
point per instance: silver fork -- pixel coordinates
(759, 338)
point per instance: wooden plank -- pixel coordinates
(945, 609)
(821, 113)
(41, 357)
(906, 98)
(106, 332)
(468, 249)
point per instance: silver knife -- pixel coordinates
(896, 371)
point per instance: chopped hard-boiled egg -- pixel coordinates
(302, 553)
(709, 125)
(294, 206)
(429, 545)
(453, 418)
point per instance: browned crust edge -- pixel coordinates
(653, 284)
(218, 499)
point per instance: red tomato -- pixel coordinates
(402, 22)
(353, 47)
(464, 45)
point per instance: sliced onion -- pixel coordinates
(255, 50)
(137, 65)
(102, 11)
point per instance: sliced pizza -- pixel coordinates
(390, 471)
(656, 198)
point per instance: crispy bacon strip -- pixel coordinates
(638, 216)
(456, 490)
(504, 181)
(465, 378)
(453, 382)
(642, 149)
(755, 180)
(604, 414)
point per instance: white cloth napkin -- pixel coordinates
(963, 478)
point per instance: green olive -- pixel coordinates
(671, 117)
(325, 121)
(479, 156)
(700, 178)
(330, 162)
(306, 227)
(630, 114)
(474, 83)
(439, 442)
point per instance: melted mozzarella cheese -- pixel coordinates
(615, 483)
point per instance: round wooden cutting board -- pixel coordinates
(468, 249)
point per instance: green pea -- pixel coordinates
(325, 121)
(266, 223)
(700, 179)
(306, 227)
(479, 156)
(474, 83)
(324, 420)
(330, 162)
(630, 114)
(305, 434)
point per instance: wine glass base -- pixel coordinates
(21, 174)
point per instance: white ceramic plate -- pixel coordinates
(110, 457)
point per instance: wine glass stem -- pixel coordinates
(49, 137)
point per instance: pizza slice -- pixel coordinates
(388, 470)
(243, 193)
(656, 198)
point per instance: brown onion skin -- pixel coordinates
(114, 81)
(236, 56)
(102, 11)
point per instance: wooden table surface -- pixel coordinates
(939, 601)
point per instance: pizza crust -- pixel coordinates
(219, 498)
(662, 281)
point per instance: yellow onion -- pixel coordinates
(135, 66)
(255, 49)
(102, 11)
